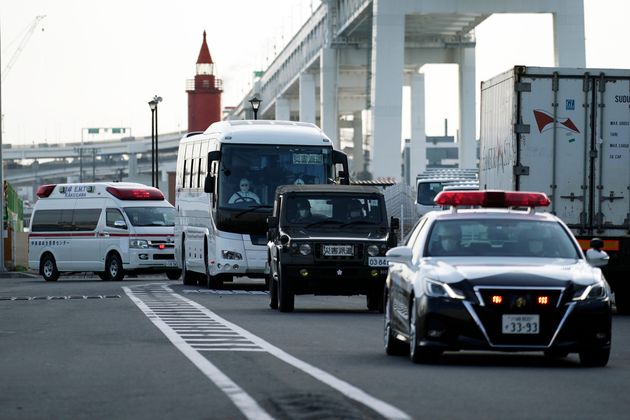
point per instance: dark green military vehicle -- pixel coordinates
(329, 240)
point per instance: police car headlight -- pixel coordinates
(305, 249)
(373, 250)
(138, 243)
(438, 289)
(231, 255)
(594, 291)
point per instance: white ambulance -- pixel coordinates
(108, 228)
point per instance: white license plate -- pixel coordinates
(377, 262)
(338, 250)
(521, 324)
(171, 264)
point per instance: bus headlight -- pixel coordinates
(231, 255)
(138, 243)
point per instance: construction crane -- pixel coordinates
(20, 47)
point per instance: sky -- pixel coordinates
(96, 64)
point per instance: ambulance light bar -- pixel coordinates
(44, 191)
(133, 193)
(501, 199)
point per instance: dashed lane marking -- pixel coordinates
(72, 297)
(194, 329)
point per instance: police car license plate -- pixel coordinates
(377, 262)
(521, 324)
(338, 250)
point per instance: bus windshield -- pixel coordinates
(249, 174)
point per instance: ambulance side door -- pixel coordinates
(85, 222)
(114, 234)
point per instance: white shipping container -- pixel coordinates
(565, 132)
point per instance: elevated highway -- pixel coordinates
(345, 68)
(125, 159)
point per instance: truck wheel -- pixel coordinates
(49, 268)
(286, 298)
(595, 357)
(114, 268)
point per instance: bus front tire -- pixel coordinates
(174, 274)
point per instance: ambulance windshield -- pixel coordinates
(151, 216)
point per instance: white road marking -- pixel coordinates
(243, 401)
(259, 344)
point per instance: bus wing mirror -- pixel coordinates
(213, 156)
(208, 185)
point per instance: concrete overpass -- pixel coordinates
(347, 65)
(126, 159)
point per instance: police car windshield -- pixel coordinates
(151, 216)
(500, 238)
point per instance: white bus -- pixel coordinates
(225, 189)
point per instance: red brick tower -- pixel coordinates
(204, 93)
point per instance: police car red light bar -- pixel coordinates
(146, 193)
(492, 199)
(44, 191)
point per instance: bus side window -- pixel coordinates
(193, 172)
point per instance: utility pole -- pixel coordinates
(2, 267)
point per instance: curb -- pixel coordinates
(17, 275)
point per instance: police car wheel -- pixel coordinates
(113, 268)
(393, 346)
(49, 268)
(419, 354)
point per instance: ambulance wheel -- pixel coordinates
(102, 275)
(49, 268)
(114, 268)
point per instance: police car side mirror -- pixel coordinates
(597, 258)
(400, 254)
(208, 185)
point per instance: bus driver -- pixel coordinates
(244, 195)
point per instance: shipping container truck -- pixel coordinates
(565, 132)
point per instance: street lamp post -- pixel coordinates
(255, 102)
(153, 103)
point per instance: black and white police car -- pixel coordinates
(499, 276)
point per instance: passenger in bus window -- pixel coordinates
(244, 195)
